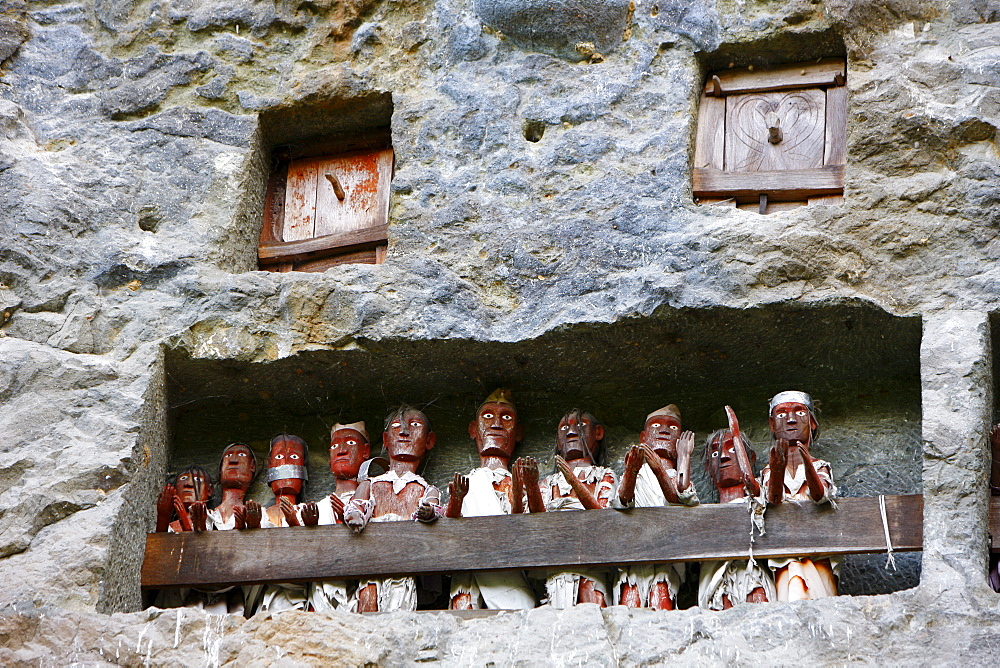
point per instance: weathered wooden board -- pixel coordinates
(995, 523)
(300, 199)
(836, 126)
(364, 178)
(309, 249)
(826, 72)
(801, 116)
(593, 537)
(709, 147)
(787, 185)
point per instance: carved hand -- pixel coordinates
(528, 471)
(338, 507)
(254, 513)
(653, 460)
(182, 515)
(288, 510)
(458, 488)
(565, 469)
(310, 514)
(685, 446)
(426, 513)
(165, 507)
(240, 517)
(634, 459)
(199, 515)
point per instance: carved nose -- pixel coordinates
(773, 127)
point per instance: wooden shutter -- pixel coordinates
(773, 139)
(327, 210)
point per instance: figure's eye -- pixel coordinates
(414, 423)
(396, 425)
(279, 456)
(183, 477)
(243, 454)
(800, 413)
(715, 453)
(293, 456)
(565, 427)
(781, 415)
(352, 442)
(508, 417)
(488, 416)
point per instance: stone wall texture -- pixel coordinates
(542, 235)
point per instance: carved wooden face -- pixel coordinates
(238, 468)
(579, 437)
(661, 433)
(720, 460)
(408, 437)
(348, 451)
(793, 421)
(193, 485)
(283, 452)
(496, 430)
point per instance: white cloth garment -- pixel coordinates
(508, 590)
(649, 495)
(279, 597)
(326, 595)
(736, 578)
(563, 586)
(818, 583)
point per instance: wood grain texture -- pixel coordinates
(545, 540)
(709, 147)
(799, 75)
(802, 118)
(365, 179)
(300, 200)
(785, 185)
(836, 126)
(995, 523)
(274, 205)
(309, 249)
(367, 256)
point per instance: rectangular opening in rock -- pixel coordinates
(860, 364)
(327, 193)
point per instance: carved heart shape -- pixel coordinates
(801, 115)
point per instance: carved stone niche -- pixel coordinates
(327, 199)
(773, 139)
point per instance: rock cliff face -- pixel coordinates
(542, 234)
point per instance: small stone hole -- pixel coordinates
(533, 130)
(655, 10)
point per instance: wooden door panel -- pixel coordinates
(300, 200)
(801, 116)
(363, 179)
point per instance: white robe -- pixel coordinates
(563, 586)
(736, 578)
(804, 567)
(649, 495)
(502, 590)
(326, 595)
(279, 597)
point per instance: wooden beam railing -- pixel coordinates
(547, 540)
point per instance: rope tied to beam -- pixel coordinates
(890, 560)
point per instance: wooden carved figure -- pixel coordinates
(349, 449)
(793, 474)
(399, 494)
(186, 498)
(657, 473)
(488, 490)
(286, 474)
(729, 460)
(579, 483)
(237, 470)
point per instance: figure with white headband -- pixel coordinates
(287, 473)
(399, 494)
(792, 474)
(657, 473)
(729, 461)
(489, 490)
(350, 448)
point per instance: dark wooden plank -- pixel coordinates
(788, 185)
(308, 248)
(836, 126)
(642, 535)
(784, 77)
(274, 206)
(368, 256)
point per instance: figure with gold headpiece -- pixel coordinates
(657, 473)
(489, 490)
(729, 461)
(793, 474)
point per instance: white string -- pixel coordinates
(888, 541)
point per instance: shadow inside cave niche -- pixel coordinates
(860, 364)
